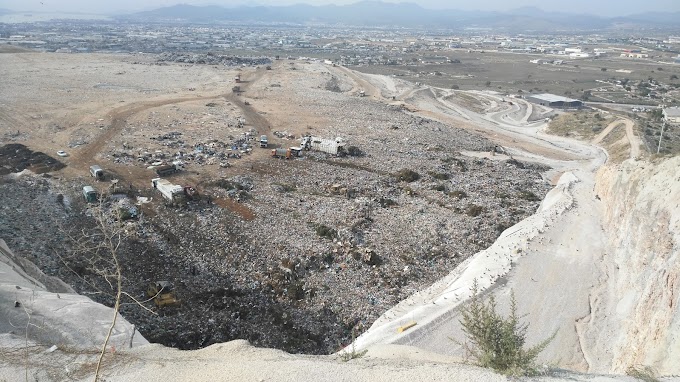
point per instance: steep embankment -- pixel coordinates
(635, 307)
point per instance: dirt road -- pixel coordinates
(633, 140)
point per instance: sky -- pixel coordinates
(598, 7)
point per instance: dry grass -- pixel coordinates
(581, 124)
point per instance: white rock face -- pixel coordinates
(636, 302)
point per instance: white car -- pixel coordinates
(62, 153)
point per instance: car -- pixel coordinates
(62, 153)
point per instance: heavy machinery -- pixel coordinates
(162, 294)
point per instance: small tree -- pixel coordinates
(497, 342)
(96, 252)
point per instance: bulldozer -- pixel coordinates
(162, 294)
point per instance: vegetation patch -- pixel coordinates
(580, 124)
(498, 342)
(528, 195)
(406, 175)
(438, 175)
(474, 210)
(325, 231)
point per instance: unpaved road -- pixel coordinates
(633, 140)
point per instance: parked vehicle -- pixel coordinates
(97, 172)
(90, 194)
(169, 169)
(263, 141)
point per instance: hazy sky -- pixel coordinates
(601, 7)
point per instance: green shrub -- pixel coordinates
(325, 231)
(528, 195)
(386, 202)
(474, 210)
(438, 175)
(439, 187)
(406, 175)
(497, 342)
(643, 373)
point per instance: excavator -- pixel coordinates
(162, 294)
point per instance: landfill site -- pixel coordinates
(303, 207)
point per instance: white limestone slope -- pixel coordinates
(597, 265)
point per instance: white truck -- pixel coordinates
(173, 193)
(263, 141)
(330, 146)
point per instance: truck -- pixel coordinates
(172, 193)
(90, 194)
(282, 153)
(169, 169)
(329, 146)
(263, 141)
(97, 172)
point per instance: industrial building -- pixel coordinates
(555, 101)
(672, 115)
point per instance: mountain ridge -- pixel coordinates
(376, 13)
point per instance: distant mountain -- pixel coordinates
(376, 13)
(653, 18)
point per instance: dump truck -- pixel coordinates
(162, 294)
(97, 172)
(281, 153)
(90, 194)
(169, 169)
(263, 141)
(171, 192)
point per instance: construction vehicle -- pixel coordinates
(97, 172)
(263, 141)
(282, 153)
(362, 93)
(237, 79)
(236, 89)
(169, 169)
(162, 294)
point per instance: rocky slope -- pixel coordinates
(635, 307)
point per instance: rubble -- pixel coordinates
(212, 59)
(248, 257)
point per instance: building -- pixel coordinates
(555, 101)
(672, 115)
